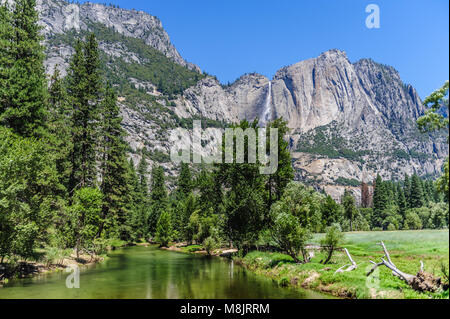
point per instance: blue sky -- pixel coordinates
(232, 37)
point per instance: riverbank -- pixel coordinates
(51, 260)
(26, 269)
(407, 249)
(198, 249)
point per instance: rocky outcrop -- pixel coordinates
(58, 17)
(349, 121)
(364, 111)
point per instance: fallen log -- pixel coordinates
(422, 281)
(350, 267)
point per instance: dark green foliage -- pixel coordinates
(380, 202)
(347, 182)
(28, 184)
(350, 211)
(288, 234)
(401, 201)
(59, 127)
(169, 77)
(333, 238)
(278, 181)
(23, 86)
(326, 141)
(83, 77)
(114, 171)
(158, 197)
(416, 197)
(185, 183)
(181, 217)
(331, 212)
(164, 229)
(244, 206)
(85, 218)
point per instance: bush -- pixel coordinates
(412, 221)
(210, 244)
(289, 235)
(331, 241)
(164, 229)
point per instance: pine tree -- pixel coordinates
(6, 56)
(23, 91)
(158, 196)
(380, 201)
(407, 190)
(350, 211)
(142, 176)
(401, 200)
(59, 126)
(284, 174)
(331, 211)
(184, 185)
(416, 197)
(139, 215)
(84, 92)
(115, 186)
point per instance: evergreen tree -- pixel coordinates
(401, 200)
(284, 174)
(138, 220)
(158, 196)
(380, 202)
(115, 187)
(23, 89)
(59, 126)
(407, 190)
(331, 212)
(244, 202)
(84, 90)
(350, 211)
(416, 197)
(210, 191)
(6, 56)
(142, 176)
(184, 185)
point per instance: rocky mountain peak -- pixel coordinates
(59, 17)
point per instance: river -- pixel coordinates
(147, 272)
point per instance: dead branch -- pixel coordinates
(421, 282)
(351, 266)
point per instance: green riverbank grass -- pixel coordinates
(407, 249)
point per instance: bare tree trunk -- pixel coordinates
(330, 254)
(421, 282)
(351, 266)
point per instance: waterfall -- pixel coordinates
(267, 112)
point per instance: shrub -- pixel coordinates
(412, 221)
(210, 244)
(331, 241)
(289, 235)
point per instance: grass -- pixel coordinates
(406, 248)
(191, 248)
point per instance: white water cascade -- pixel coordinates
(267, 112)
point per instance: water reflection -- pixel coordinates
(147, 272)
